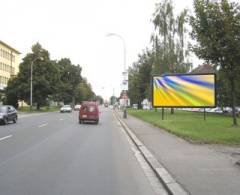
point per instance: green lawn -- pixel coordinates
(26, 109)
(191, 126)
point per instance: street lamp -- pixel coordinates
(124, 68)
(31, 79)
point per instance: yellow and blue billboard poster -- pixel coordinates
(184, 90)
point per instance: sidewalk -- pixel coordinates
(201, 169)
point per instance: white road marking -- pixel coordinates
(157, 187)
(43, 125)
(3, 138)
(61, 119)
(30, 115)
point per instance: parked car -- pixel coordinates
(77, 107)
(147, 107)
(135, 106)
(66, 108)
(8, 113)
(89, 112)
(228, 110)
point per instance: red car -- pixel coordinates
(89, 112)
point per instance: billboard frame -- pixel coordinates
(188, 74)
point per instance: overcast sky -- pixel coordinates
(77, 29)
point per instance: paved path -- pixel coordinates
(201, 169)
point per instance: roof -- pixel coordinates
(205, 68)
(89, 103)
(8, 46)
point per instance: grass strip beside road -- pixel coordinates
(34, 109)
(191, 126)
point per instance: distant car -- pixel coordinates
(135, 106)
(8, 113)
(146, 107)
(89, 112)
(77, 107)
(66, 108)
(105, 105)
(228, 110)
(218, 110)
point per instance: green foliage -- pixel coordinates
(2, 95)
(12, 93)
(26, 109)
(113, 100)
(216, 28)
(168, 54)
(52, 80)
(140, 78)
(99, 99)
(70, 78)
(84, 92)
(169, 40)
(45, 75)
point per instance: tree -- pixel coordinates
(99, 99)
(2, 95)
(45, 76)
(113, 100)
(169, 40)
(12, 92)
(84, 92)
(70, 78)
(170, 33)
(216, 28)
(133, 85)
(140, 76)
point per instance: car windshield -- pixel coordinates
(66, 106)
(3, 109)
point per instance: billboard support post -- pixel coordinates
(204, 113)
(162, 113)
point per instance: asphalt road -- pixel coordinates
(51, 153)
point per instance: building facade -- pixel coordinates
(9, 63)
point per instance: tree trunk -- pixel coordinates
(172, 110)
(233, 101)
(38, 106)
(73, 100)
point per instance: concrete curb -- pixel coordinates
(166, 179)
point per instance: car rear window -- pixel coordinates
(91, 109)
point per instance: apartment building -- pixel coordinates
(9, 63)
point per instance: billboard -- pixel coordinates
(184, 90)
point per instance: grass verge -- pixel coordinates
(34, 109)
(216, 129)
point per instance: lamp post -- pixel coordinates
(124, 67)
(31, 81)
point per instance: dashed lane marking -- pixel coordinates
(43, 125)
(6, 137)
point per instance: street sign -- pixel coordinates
(125, 81)
(125, 85)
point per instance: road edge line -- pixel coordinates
(171, 185)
